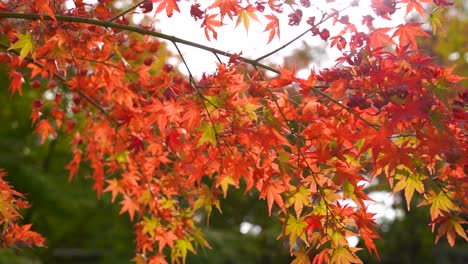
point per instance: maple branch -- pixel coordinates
(126, 11)
(91, 21)
(172, 39)
(192, 81)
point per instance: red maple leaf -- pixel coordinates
(45, 129)
(74, 164)
(15, 83)
(378, 38)
(407, 34)
(313, 222)
(165, 238)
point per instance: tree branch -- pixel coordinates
(91, 21)
(255, 63)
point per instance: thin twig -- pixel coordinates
(202, 97)
(91, 21)
(126, 11)
(322, 20)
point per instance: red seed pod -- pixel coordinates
(36, 84)
(147, 6)
(168, 67)
(315, 31)
(148, 61)
(52, 84)
(36, 104)
(325, 34)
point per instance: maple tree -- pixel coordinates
(168, 146)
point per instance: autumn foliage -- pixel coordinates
(168, 146)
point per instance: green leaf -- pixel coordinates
(295, 228)
(299, 198)
(249, 109)
(301, 257)
(439, 203)
(181, 248)
(435, 21)
(150, 225)
(337, 238)
(269, 118)
(343, 255)
(200, 239)
(214, 101)
(410, 182)
(24, 44)
(209, 133)
(206, 200)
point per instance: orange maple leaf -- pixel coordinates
(451, 226)
(43, 6)
(227, 7)
(407, 34)
(74, 164)
(165, 238)
(113, 187)
(209, 23)
(272, 190)
(169, 5)
(129, 205)
(45, 129)
(273, 27)
(245, 16)
(286, 77)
